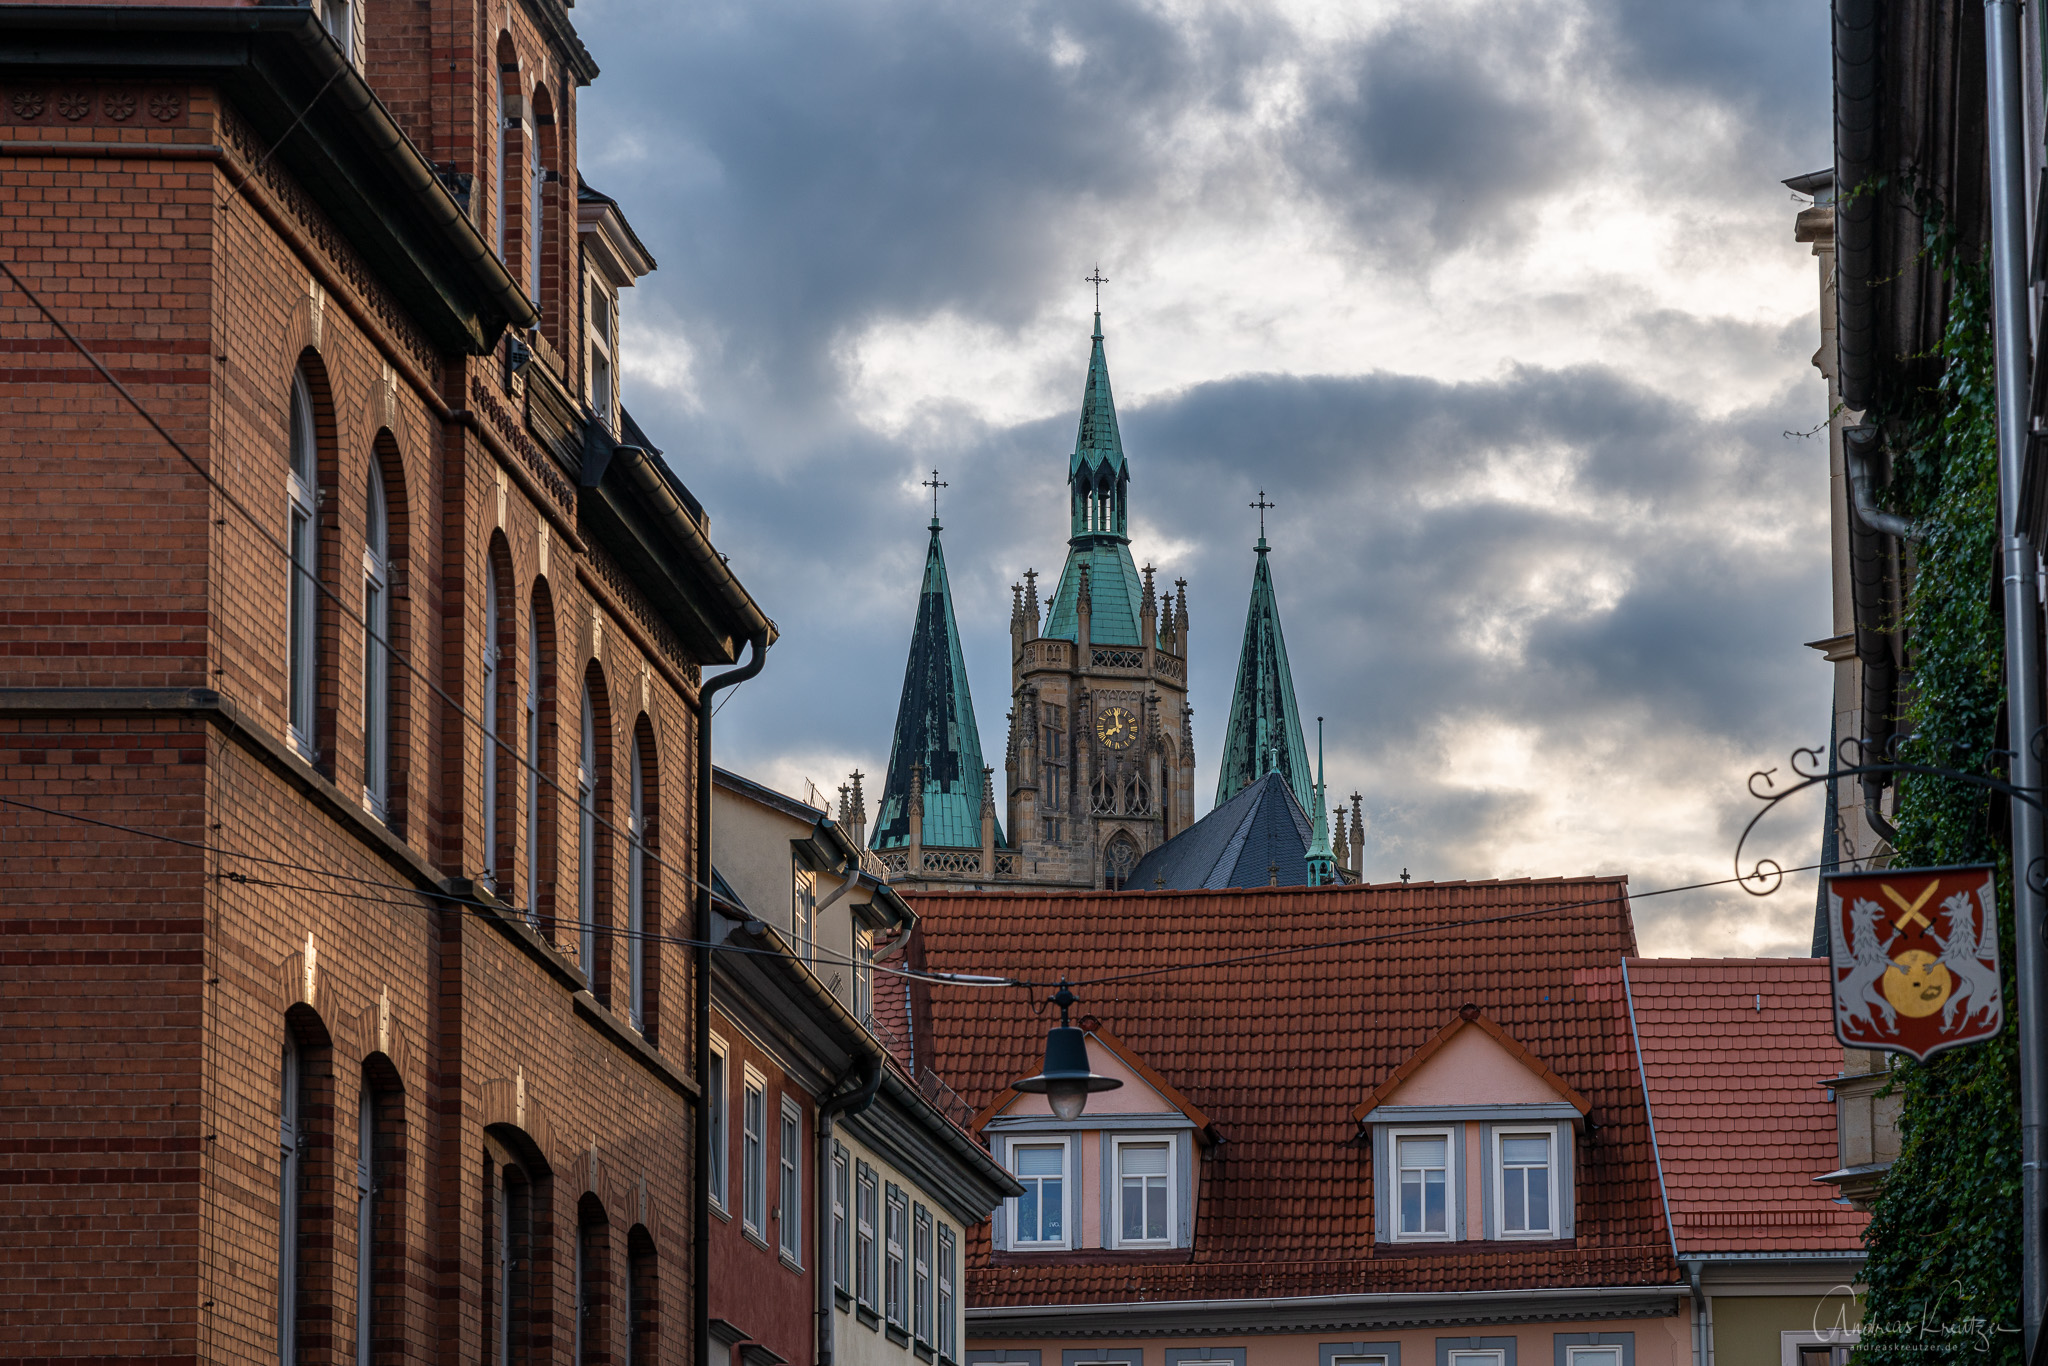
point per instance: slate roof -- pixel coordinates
(1261, 828)
(1741, 1125)
(1264, 731)
(934, 727)
(1277, 1051)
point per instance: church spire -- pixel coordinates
(937, 746)
(1264, 732)
(1322, 864)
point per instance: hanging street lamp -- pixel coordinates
(1066, 1080)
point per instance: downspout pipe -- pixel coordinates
(1693, 1278)
(1870, 573)
(700, 973)
(2009, 321)
(851, 1103)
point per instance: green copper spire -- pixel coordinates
(1322, 860)
(935, 730)
(1098, 492)
(1264, 734)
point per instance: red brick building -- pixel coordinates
(349, 762)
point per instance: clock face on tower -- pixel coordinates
(1116, 728)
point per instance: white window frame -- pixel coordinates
(923, 1250)
(1454, 1184)
(1482, 1356)
(842, 1221)
(490, 726)
(1604, 1355)
(1357, 1359)
(803, 911)
(896, 1257)
(338, 17)
(603, 364)
(867, 1213)
(1496, 1174)
(302, 611)
(789, 1190)
(636, 893)
(1067, 1239)
(536, 212)
(1116, 1227)
(366, 1222)
(948, 1295)
(376, 652)
(754, 1154)
(719, 1117)
(586, 840)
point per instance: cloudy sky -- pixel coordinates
(1498, 302)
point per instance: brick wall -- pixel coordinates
(150, 988)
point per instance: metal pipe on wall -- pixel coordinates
(2022, 677)
(700, 1044)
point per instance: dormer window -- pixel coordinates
(1144, 1192)
(602, 352)
(1522, 1170)
(1423, 1162)
(1041, 1169)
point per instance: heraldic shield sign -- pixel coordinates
(1915, 958)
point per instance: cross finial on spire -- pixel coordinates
(1098, 279)
(934, 484)
(1262, 505)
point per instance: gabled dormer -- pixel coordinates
(1121, 1180)
(1473, 1139)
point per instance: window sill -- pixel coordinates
(720, 1210)
(924, 1353)
(867, 1316)
(1093, 1256)
(790, 1263)
(1386, 1251)
(747, 1231)
(898, 1336)
(842, 1299)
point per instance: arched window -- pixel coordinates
(533, 768)
(511, 1254)
(591, 1333)
(536, 187)
(290, 1184)
(636, 889)
(490, 719)
(643, 1303)
(303, 541)
(586, 841)
(498, 186)
(376, 650)
(366, 1223)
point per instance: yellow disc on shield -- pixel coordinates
(1916, 983)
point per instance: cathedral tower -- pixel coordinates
(1101, 754)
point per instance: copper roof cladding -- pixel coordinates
(1742, 1126)
(1278, 1051)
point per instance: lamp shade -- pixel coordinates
(1066, 1081)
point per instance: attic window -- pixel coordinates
(1423, 1162)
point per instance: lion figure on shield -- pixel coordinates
(1960, 955)
(1870, 961)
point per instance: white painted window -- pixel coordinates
(291, 1147)
(636, 890)
(489, 704)
(754, 1155)
(376, 649)
(1039, 1215)
(537, 179)
(366, 1224)
(1374, 1360)
(1525, 1182)
(863, 975)
(303, 540)
(895, 1250)
(949, 1302)
(586, 840)
(1594, 1356)
(865, 1211)
(921, 1273)
(602, 351)
(842, 1223)
(1425, 1192)
(789, 1196)
(716, 1112)
(804, 884)
(533, 797)
(1486, 1358)
(1144, 1192)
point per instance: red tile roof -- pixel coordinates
(1741, 1126)
(1278, 1050)
(1467, 1015)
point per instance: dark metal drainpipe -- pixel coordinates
(2022, 679)
(700, 1217)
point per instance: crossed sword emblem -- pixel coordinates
(1911, 908)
